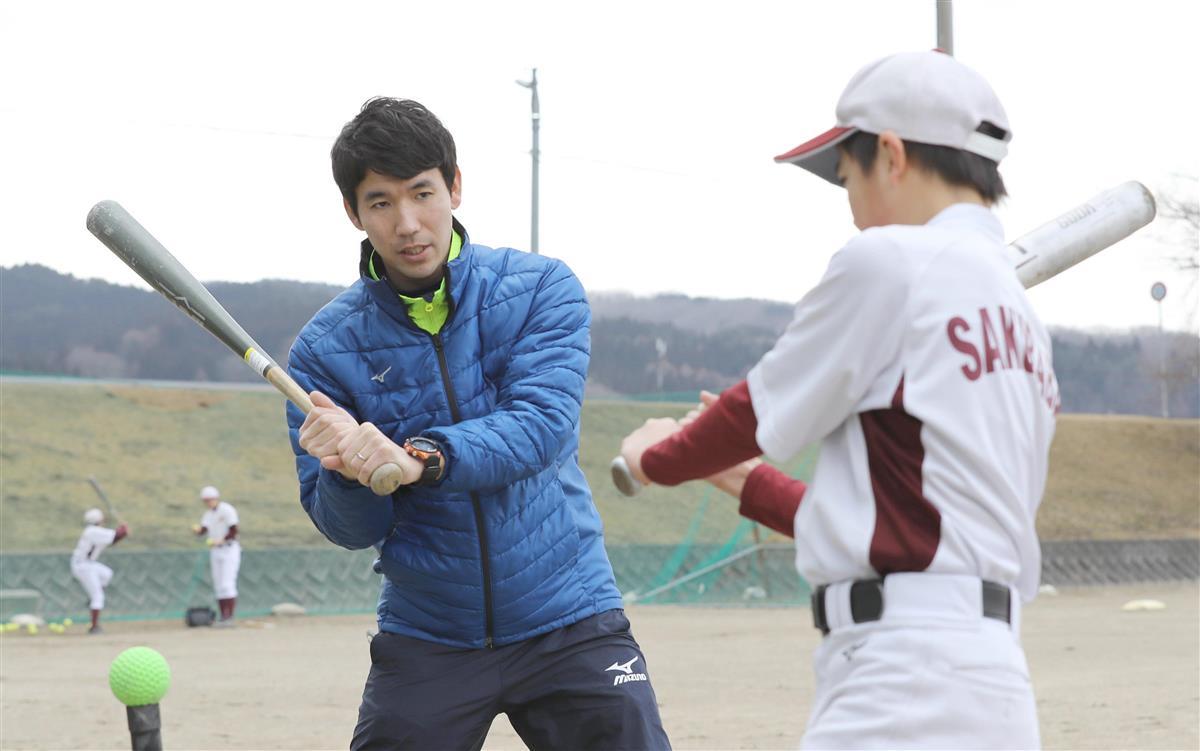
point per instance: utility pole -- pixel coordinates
(660, 346)
(945, 26)
(1158, 291)
(536, 117)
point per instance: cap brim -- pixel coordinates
(819, 155)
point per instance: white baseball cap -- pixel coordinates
(926, 97)
(207, 492)
(93, 516)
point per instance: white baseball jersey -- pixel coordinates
(924, 372)
(218, 520)
(92, 543)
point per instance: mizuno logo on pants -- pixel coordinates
(625, 672)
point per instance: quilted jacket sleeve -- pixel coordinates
(346, 512)
(539, 397)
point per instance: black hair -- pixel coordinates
(955, 166)
(396, 137)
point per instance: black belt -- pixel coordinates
(866, 602)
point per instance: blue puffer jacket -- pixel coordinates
(509, 544)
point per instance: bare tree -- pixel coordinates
(1178, 228)
(1180, 207)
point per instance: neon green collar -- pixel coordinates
(429, 314)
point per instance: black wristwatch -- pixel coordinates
(430, 453)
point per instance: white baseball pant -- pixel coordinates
(225, 560)
(94, 576)
(932, 673)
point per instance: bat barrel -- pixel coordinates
(1082, 232)
(133, 244)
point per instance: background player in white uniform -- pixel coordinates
(920, 366)
(219, 525)
(93, 575)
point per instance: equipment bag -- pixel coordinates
(200, 616)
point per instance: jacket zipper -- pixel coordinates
(475, 504)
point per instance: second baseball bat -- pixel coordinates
(140, 251)
(1054, 247)
(104, 498)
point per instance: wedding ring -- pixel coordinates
(360, 456)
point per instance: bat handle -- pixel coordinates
(384, 480)
(623, 478)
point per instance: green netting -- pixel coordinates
(740, 570)
(747, 575)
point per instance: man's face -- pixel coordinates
(409, 223)
(211, 502)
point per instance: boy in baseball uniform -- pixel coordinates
(93, 575)
(219, 527)
(919, 365)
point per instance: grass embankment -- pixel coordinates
(153, 448)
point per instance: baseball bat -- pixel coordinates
(104, 498)
(1074, 236)
(134, 245)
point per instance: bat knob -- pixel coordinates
(386, 479)
(623, 478)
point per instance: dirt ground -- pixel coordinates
(726, 678)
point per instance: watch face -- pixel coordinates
(424, 444)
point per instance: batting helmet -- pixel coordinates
(93, 516)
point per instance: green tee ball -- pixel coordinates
(139, 676)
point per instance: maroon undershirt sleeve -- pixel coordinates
(721, 437)
(771, 498)
(232, 532)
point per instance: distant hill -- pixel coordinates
(702, 315)
(54, 323)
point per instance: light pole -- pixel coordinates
(945, 26)
(660, 346)
(536, 117)
(1158, 291)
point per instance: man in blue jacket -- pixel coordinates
(464, 366)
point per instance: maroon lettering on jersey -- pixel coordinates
(1027, 335)
(1039, 370)
(991, 353)
(953, 328)
(1008, 324)
(1015, 346)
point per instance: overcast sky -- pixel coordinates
(211, 123)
